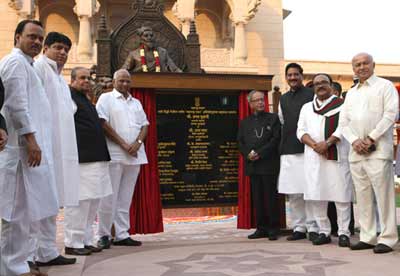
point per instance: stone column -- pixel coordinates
(240, 48)
(85, 9)
(184, 11)
(24, 8)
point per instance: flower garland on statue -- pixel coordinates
(143, 59)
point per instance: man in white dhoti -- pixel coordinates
(325, 161)
(291, 177)
(27, 183)
(366, 121)
(65, 152)
(125, 124)
(93, 167)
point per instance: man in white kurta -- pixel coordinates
(326, 166)
(65, 152)
(125, 124)
(27, 182)
(366, 121)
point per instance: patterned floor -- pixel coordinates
(217, 248)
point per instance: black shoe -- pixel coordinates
(77, 251)
(60, 260)
(322, 239)
(273, 235)
(312, 236)
(94, 249)
(381, 248)
(344, 241)
(296, 235)
(258, 234)
(34, 270)
(104, 243)
(361, 246)
(127, 242)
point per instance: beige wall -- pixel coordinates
(8, 21)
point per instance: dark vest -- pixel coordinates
(92, 146)
(291, 104)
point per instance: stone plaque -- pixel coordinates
(197, 149)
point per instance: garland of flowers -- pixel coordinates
(143, 59)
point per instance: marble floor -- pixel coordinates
(217, 248)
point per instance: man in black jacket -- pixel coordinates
(259, 138)
(3, 128)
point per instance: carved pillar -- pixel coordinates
(242, 12)
(24, 8)
(85, 9)
(103, 50)
(184, 11)
(240, 48)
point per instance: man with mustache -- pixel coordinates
(147, 57)
(27, 182)
(366, 121)
(49, 68)
(326, 167)
(291, 177)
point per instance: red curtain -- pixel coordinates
(246, 213)
(146, 209)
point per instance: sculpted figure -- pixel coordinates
(147, 57)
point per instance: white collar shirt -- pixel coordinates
(126, 116)
(370, 110)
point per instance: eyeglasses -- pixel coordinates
(257, 100)
(322, 83)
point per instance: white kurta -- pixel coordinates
(65, 150)
(126, 117)
(326, 180)
(26, 110)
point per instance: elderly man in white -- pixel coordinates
(65, 152)
(27, 183)
(125, 125)
(366, 121)
(326, 166)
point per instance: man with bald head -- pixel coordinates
(93, 168)
(125, 125)
(366, 121)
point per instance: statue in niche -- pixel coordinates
(147, 57)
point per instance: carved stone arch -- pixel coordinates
(64, 10)
(124, 38)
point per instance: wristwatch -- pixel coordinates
(139, 141)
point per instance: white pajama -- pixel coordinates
(375, 176)
(301, 214)
(78, 221)
(43, 240)
(114, 209)
(14, 248)
(320, 213)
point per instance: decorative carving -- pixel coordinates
(16, 4)
(103, 49)
(193, 59)
(147, 13)
(216, 57)
(252, 6)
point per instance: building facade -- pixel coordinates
(236, 36)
